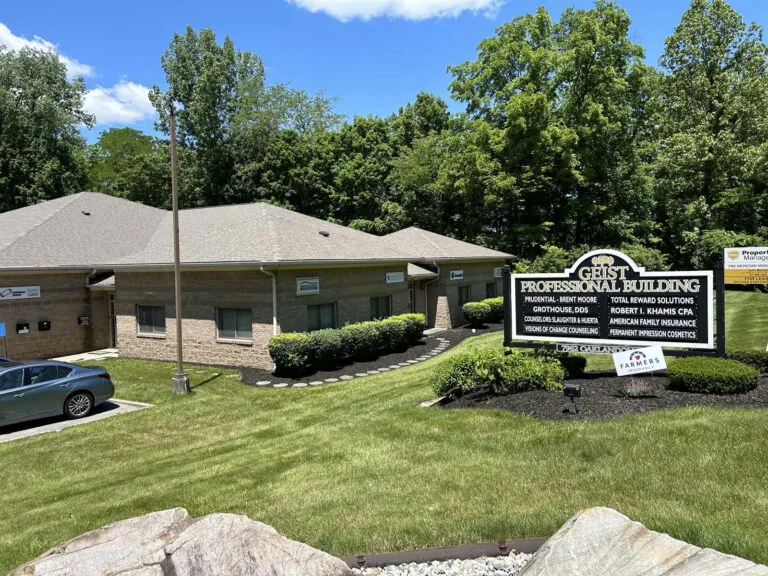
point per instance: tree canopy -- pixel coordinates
(569, 139)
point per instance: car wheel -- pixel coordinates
(79, 405)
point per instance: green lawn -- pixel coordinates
(358, 467)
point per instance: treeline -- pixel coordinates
(569, 140)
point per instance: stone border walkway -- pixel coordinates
(442, 345)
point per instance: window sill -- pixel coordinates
(234, 341)
(155, 336)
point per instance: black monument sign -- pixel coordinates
(605, 298)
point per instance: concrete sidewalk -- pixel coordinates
(56, 424)
(89, 356)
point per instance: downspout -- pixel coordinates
(274, 299)
(426, 293)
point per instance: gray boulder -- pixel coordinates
(601, 541)
(170, 543)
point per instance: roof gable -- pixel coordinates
(424, 245)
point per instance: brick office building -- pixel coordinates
(90, 271)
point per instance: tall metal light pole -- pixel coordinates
(180, 380)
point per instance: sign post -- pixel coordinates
(2, 335)
(607, 301)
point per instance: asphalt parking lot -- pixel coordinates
(36, 427)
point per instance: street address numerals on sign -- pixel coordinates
(605, 298)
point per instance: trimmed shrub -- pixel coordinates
(415, 326)
(712, 375)
(524, 372)
(758, 359)
(476, 312)
(327, 348)
(455, 377)
(394, 334)
(496, 305)
(362, 340)
(291, 353)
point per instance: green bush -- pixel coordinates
(394, 334)
(327, 348)
(756, 359)
(415, 326)
(523, 372)
(476, 312)
(291, 353)
(712, 375)
(455, 377)
(496, 305)
(363, 340)
(510, 374)
(574, 366)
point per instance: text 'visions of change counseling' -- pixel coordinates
(606, 297)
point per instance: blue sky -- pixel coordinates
(373, 55)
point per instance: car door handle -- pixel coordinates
(19, 395)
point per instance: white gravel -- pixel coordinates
(501, 566)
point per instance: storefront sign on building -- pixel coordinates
(746, 265)
(605, 298)
(639, 361)
(19, 292)
(395, 277)
(306, 286)
(457, 274)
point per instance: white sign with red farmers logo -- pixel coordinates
(639, 361)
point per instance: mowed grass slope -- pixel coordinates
(358, 467)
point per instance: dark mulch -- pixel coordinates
(600, 400)
(253, 375)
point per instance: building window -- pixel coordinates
(321, 316)
(465, 295)
(490, 290)
(381, 307)
(412, 297)
(234, 324)
(151, 319)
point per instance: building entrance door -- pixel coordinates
(112, 322)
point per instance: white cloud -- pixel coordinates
(346, 10)
(124, 103)
(13, 42)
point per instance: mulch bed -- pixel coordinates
(600, 400)
(252, 376)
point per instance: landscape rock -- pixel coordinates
(601, 541)
(171, 543)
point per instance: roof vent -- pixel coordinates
(85, 212)
(324, 233)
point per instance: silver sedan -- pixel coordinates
(37, 389)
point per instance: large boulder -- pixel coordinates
(170, 543)
(601, 541)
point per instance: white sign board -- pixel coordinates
(19, 292)
(306, 286)
(395, 277)
(499, 272)
(639, 361)
(457, 274)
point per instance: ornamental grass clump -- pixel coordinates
(712, 376)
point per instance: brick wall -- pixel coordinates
(444, 310)
(204, 292)
(351, 289)
(63, 297)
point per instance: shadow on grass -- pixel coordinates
(206, 381)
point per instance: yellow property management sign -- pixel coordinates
(746, 265)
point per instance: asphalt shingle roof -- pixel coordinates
(426, 246)
(92, 230)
